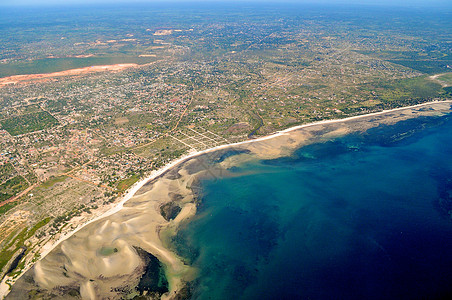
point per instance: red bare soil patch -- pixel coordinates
(21, 78)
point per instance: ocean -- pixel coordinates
(364, 216)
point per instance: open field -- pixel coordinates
(67, 72)
(53, 65)
(28, 123)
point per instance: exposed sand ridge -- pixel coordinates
(93, 69)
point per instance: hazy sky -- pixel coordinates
(391, 2)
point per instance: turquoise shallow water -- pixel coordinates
(364, 216)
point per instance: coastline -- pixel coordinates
(51, 245)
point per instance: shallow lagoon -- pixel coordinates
(364, 216)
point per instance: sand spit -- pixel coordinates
(93, 69)
(99, 259)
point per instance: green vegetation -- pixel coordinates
(53, 180)
(27, 109)
(5, 171)
(390, 94)
(28, 123)
(18, 241)
(12, 187)
(411, 88)
(448, 91)
(107, 251)
(69, 215)
(429, 62)
(428, 67)
(7, 206)
(126, 183)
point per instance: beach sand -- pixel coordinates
(101, 259)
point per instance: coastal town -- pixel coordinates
(73, 142)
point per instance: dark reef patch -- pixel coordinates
(391, 135)
(205, 161)
(170, 210)
(153, 280)
(443, 203)
(181, 244)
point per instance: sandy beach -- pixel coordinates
(135, 221)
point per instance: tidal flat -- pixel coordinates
(352, 208)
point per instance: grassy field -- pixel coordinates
(50, 65)
(49, 183)
(411, 88)
(126, 183)
(28, 123)
(8, 206)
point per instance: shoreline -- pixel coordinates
(155, 174)
(51, 245)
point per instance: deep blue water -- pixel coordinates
(360, 217)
